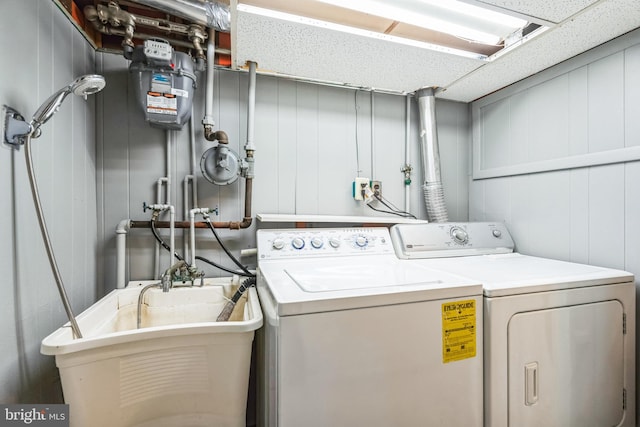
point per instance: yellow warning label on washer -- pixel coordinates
(458, 330)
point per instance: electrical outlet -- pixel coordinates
(376, 187)
(360, 187)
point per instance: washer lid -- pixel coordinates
(328, 278)
(311, 285)
(513, 274)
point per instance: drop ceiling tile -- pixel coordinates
(554, 11)
(310, 52)
(595, 26)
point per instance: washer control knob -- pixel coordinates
(334, 242)
(317, 242)
(277, 244)
(361, 241)
(459, 235)
(497, 233)
(297, 243)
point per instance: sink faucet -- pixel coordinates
(167, 276)
(183, 272)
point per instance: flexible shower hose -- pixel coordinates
(47, 241)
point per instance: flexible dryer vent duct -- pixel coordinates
(209, 13)
(432, 187)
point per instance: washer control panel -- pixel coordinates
(448, 239)
(319, 242)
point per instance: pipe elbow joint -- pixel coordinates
(91, 13)
(221, 136)
(246, 222)
(123, 226)
(240, 225)
(208, 131)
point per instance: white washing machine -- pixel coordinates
(559, 337)
(353, 337)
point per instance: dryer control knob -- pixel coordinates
(317, 242)
(277, 244)
(334, 242)
(497, 233)
(459, 235)
(297, 242)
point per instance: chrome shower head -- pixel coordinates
(83, 86)
(87, 84)
(15, 129)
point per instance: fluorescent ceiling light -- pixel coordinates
(356, 31)
(453, 17)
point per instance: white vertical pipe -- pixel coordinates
(185, 210)
(373, 136)
(192, 145)
(121, 248)
(251, 107)
(169, 135)
(172, 234)
(192, 236)
(407, 152)
(209, 76)
(156, 255)
(190, 178)
(192, 231)
(172, 227)
(167, 180)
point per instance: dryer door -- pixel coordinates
(566, 366)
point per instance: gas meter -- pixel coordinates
(164, 82)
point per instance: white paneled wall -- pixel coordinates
(311, 142)
(552, 155)
(555, 156)
(43, 52)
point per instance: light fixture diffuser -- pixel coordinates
(456, 27)
(356, 31)
(453, 17)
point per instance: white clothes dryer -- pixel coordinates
(559, 337)
(354, 337)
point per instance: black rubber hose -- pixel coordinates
(244, 272)
(162, 242)
(227, 310)
(246, 284)
(229, 254)
(228, 270)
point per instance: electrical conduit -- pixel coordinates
(407, 156)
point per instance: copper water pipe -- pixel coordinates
(233, 225)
